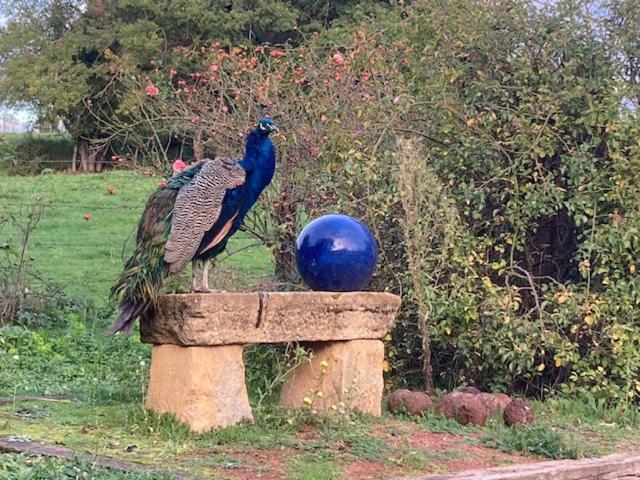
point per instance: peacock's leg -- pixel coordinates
(205, 275)
(203, 286)
(194, 276)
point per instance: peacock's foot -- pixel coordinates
(206, 290)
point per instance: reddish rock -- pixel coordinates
(414, 403)
(503, 399)
(396, 399)
(417, 403)
(471, 390)
(518, 412)
(466, 408)
(447, 405)
(471, 411)
(491, 403)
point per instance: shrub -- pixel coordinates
(537, 150)
(30, 153)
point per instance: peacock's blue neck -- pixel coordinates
(259, 162)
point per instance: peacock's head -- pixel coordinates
(266, 126)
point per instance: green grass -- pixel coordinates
(313, 466)
(337, 441)
(104, 380)
(537, 439)
(368, 447)
(85, 256)
(26, 467)
(76, 361)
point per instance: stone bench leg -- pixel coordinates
(341, 374)
(203, 387)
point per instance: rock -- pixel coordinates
(414, 403)
(269, 317)
(518, 412)
(446, 406)
(202, 387)
(341, 375)
(471, 411)
(503, 399)
(491, 402)
(396, 399)
(472, 390)
(417, 403)
(466, 408)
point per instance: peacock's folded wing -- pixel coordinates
(197, 208)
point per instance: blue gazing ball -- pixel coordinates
(336, 253)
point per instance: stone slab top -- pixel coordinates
(205, 319)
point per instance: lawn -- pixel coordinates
(94, 387)
(80, 241)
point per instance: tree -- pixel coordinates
(64, 55)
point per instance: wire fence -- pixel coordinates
(114, 241)
(133, 207)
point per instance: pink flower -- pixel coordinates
(172, 73)
(338, 58)
(213, 67)
(151, 90)
(178, 166)
(277, 53)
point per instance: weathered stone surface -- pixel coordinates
(411, 402)
(343, 374)
(470, 410)
(518, 412)
(466, 408)
(269, 317)
(448, 404)
(202, 386)
(503, 399)
(491, 402)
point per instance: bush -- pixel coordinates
(527, 130)
(30, 153)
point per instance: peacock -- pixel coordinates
(192, 219)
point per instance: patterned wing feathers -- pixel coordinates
(197, 208)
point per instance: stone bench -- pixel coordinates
(197, 371)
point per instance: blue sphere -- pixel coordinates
(336, 253)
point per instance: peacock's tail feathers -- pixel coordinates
(129, 311)
(137, 288)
